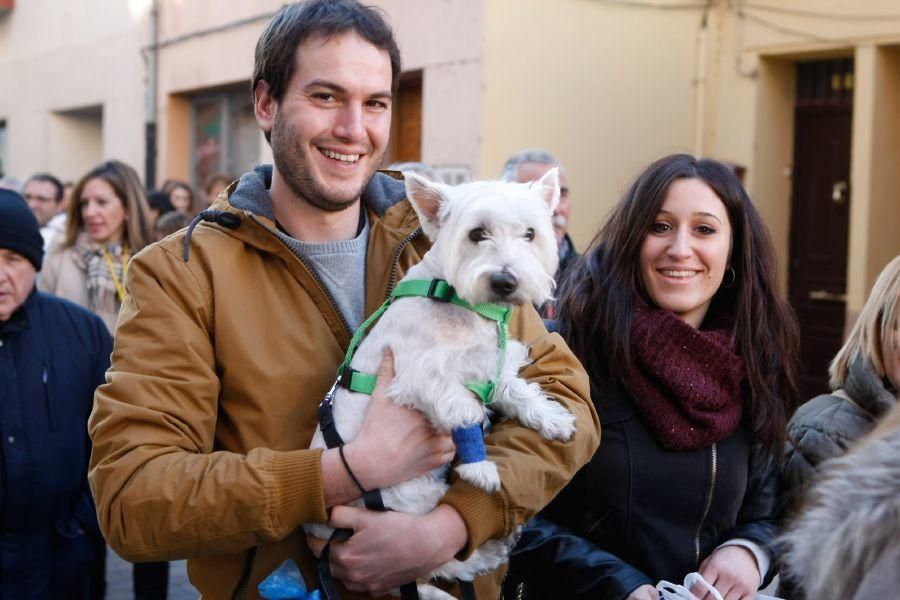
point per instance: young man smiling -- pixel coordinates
(231, 336)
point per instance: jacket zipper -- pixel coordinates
(709, 498)
(240, 590)
(51, 417)
(312, 271)
(395, 261)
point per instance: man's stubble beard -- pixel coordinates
(296, 171)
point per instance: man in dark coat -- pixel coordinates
(531, 165)
(53, 355)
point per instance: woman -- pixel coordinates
(108, 222)
(846, 541)
(675, 314)
(865, 377)
(216, 184)
(181, 196)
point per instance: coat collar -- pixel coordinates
(867, 389)
(20, 319)
(384, 199)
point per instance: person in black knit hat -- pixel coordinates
(19, 230)
(53, 355)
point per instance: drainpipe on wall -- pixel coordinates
(150, 99)
(700, 81)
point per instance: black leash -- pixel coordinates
(371, 498)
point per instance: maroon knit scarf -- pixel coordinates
(686, 383)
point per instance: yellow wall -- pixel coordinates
(607, 89)
(751, 117)
(882, 238)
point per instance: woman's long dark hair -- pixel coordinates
(599, 292)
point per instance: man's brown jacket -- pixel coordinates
(201, 432)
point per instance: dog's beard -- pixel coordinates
(470, 274)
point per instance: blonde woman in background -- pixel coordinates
(108, 222)
(865, 377)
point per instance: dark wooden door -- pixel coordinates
(820, 210)
(406, 134)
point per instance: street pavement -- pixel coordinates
(118, 579)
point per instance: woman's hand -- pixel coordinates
(645, 592)
(732, 571)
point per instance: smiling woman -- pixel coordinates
(675, 314)
(685, 254)
(108, 222)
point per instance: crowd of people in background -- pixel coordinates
(89, 230)
(682, 400)
(706, 464)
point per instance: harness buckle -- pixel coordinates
(345, 378)
(329, 396)
(440, 290)
(326, 416)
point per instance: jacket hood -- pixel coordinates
(851, 520)
(248, 198)
(252, 193)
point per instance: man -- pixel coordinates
(230, 337)
(44, 194)
(530, 165)
(53, 355)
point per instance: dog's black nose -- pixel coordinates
(504, 283)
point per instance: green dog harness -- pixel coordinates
(441, 291)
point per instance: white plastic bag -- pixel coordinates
(673, 591)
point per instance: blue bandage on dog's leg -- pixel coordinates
(469, 443)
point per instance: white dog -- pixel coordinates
(493, 243)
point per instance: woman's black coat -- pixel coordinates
(638, 513)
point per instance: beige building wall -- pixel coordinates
(446, 41)
(73, 83)
(750, 116)
(606, 88)
(609, 87)
(879, 241)
(443, 39)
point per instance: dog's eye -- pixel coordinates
(478, 235)
(529, 234)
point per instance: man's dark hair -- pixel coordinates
(159, 201)
(48, 178)
(294, 24)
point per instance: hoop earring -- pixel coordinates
(725, 282)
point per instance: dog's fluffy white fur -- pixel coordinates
(479, 230)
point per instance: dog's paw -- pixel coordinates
(482, 474)
(555, 422)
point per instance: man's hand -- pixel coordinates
(732, 571)
(388, 549)
(394, 444)
(645, 592)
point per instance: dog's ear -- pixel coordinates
(548, 187)
(426, 198)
